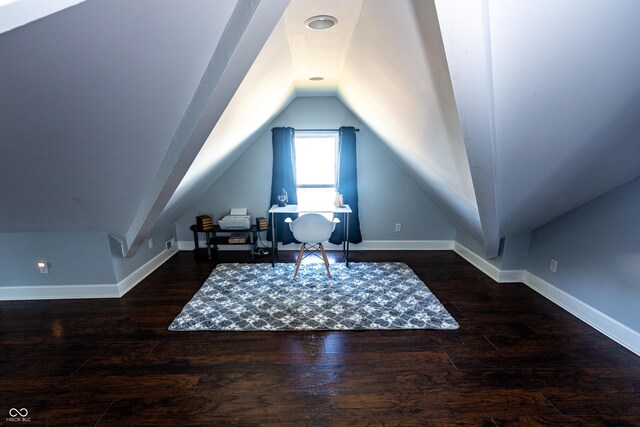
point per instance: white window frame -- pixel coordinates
(302, 187)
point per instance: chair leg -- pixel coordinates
(298, 261)
(326, 261)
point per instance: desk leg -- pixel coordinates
(344, 237)
(274, 240)
(345, 242)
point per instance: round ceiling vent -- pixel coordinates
(321, 22)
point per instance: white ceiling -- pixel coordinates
(396, 80)
(15, 13)
(107, 108)
(417, 120)
(291, 55)
(567, 104)
(318, 52)
(89, 110)
(386, 63)
(506, 116)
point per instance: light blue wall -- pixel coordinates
(512, 254)
(387, 195)
(123, 267)
(514, 251)
(597, 247)
(73, 258)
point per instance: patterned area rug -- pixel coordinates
(259, 297)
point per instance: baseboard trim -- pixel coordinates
(397, 245)
(19, 293)
(610, 327)
(367, 245)
(111, 290)
(129, 282)
(511, 276)
(500, 276)
(480, 263)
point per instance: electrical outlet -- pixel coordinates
(43, 266)
(398, 227)
(168, 244)
(150, 243)
(554, 265)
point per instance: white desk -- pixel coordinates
(296, 209)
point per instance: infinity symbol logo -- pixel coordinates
(13, 412)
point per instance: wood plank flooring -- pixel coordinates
(516, 359)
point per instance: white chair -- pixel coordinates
(311, 230)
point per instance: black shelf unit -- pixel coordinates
(218, 237)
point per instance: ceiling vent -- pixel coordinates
(320, 22)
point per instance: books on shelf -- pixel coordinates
(235, 239)
(204, 222)
(261, 222)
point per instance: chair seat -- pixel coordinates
(312, 230)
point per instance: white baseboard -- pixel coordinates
(112, 290)
(500, 276)
(15, 293)
(610, 327)
(397, 245)
(129, 282)
(511, 276)
(367, 245)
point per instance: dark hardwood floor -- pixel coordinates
(516, 359)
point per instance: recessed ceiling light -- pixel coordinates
(320, 22)
(316, 79)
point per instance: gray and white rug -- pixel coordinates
(259, 297)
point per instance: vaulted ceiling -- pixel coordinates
(117, 116)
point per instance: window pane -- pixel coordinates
(316, 160)
(316, 198)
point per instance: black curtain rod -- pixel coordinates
(321, 130)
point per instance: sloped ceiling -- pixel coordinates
(90, 99)
(386, 62)
(104, 115)
(15, 13)
(291, 55)
(548, 97)
(508, 116)
(567, 111)
(266, 90)
(396, 80)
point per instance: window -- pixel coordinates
(316, 160)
